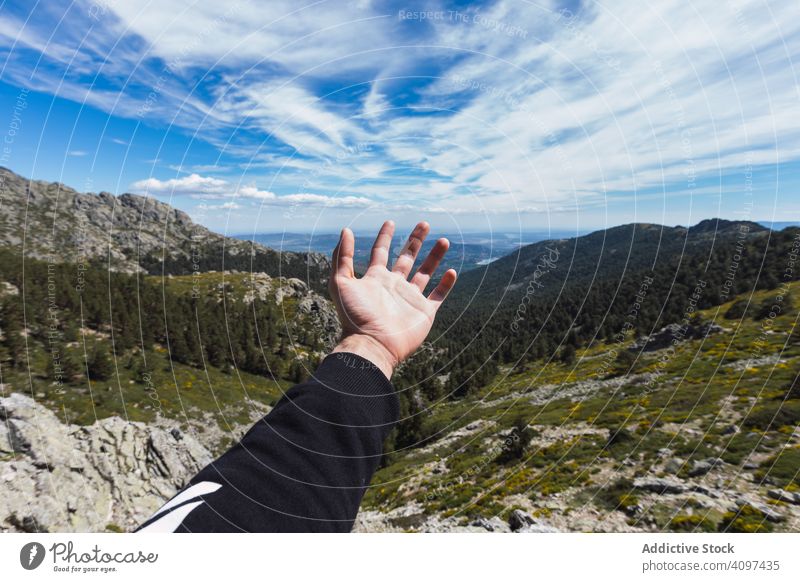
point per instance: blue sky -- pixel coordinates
(508, 115)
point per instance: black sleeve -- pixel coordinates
(304, 467)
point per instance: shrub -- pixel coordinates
(765, 308)
(619, 436)
(617, 495)
(517, 442)
(692, 523)
(737, 310)
(773, 415)
(624, 363)
(99, 365)
(783, 469)
(747, 519)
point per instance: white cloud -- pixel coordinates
(318, 200)
(224, 206)
(200, 168)
(255, 193)
(192, 184)
(208, 188)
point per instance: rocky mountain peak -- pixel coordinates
(129, 232)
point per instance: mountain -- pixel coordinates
(131, 233)
(640, 378)
(550, 300)
(605, 254)
(573, 292)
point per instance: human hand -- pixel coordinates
(385, 317)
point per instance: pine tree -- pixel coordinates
(100, 366)
(13, 343)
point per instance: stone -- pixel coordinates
(673, 465)
(633, 510)
(538, 528)
(704, 491)
(785, 496)
(659, 485)
(494, 524)
(769, 512)
(67, 478)
(700, 468)
(519, 519)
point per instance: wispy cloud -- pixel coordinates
(499, 107)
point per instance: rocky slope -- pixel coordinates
(52, 221)
(111, 475)
(696, 435)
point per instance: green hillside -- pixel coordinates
(213, 347)
(569, 442)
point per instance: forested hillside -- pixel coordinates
(94, 343)
(551, 298)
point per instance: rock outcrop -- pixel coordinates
(672, 334)
(111, 475)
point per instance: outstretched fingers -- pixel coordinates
(380, 250)
(441, 291)
(405, 261)
(431, 262)
(343, 254)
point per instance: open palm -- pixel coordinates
(383, 306)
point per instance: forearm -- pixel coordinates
(306, 465)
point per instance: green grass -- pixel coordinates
(783, 469)
(174, 390)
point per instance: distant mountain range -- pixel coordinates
(468, 250)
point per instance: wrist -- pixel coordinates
(370, 349)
